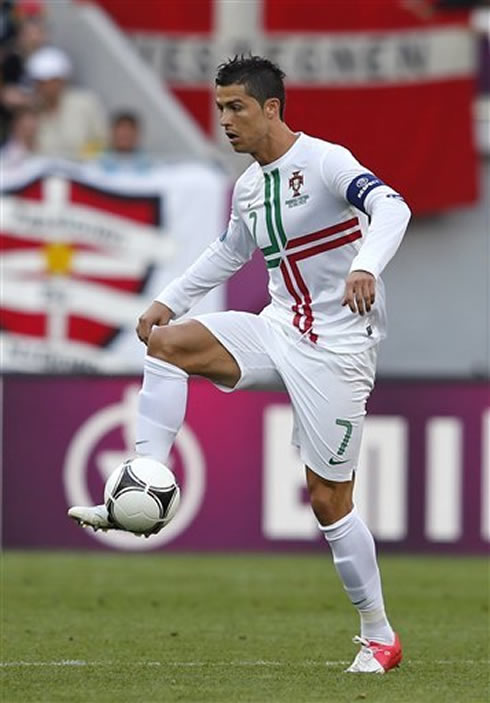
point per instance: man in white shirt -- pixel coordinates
(326, 227)
(72, 123)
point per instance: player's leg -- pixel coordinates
(227, 348)
(174, 353)
(329, 398)
(353, 551)
(354, 555)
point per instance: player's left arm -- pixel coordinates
(388, 214)
(360, 291)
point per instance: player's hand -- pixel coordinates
(157, 314)
(360, 291)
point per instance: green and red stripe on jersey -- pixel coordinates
(286, 253)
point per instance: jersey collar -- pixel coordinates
(274, 164)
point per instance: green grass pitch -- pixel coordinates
(257, 628)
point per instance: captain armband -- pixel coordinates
(361, 186)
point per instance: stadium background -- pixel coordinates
(405, 86)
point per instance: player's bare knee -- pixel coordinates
(164, 344)
(328, 511)
(330, 500)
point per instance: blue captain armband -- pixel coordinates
(360, 188)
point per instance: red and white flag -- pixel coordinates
(393, 80)
(84, 253)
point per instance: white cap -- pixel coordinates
(48, 62)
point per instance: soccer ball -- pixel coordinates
(141, 495)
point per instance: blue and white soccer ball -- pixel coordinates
(142, 495)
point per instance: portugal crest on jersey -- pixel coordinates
(295, 183)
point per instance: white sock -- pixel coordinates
(161, 408)
(354, 556)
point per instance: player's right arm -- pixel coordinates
(157, 314)
(216, 264)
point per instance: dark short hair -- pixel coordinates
(125, 116)
(262, 78)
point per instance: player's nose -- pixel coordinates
(224, 119)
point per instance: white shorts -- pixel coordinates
(328, 391)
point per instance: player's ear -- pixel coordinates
(272, 107)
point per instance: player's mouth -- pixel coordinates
(233, 138)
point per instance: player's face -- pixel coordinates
(245, 121)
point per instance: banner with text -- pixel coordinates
(392, 81)
(423, 483)
(84, 252)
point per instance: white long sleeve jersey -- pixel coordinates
(316, 214)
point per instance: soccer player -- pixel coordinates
(327, 227)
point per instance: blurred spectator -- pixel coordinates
(7, 21)
(21, 143)
(125, 152)
(23, 32)
(71, 120)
